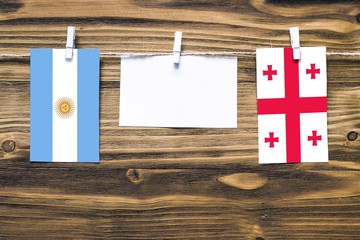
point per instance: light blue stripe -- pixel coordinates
(41, 105)
(88, 105)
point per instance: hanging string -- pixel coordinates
(182, 53)
(148, 54)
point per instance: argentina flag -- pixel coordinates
(64, 106)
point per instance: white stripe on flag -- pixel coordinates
(64, 127)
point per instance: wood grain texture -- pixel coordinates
(166, 183)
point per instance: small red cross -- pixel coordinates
(313, 71)
(269, 72)
(314, 138)
(271, 139)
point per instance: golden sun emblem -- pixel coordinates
(64, 107)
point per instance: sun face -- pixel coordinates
(64, 107)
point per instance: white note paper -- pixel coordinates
(200, 92)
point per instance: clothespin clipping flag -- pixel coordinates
(292, 105)
(64, 114)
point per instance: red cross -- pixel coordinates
(269, 72)
(271, 139)
(292, 105)
(313, 71)
(314, 138)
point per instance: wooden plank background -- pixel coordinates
(180, 183)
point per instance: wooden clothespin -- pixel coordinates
(177, 47)
(295, 42)
(70, 43)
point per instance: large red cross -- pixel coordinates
(313, 71)
(314, 138)
(292, 105)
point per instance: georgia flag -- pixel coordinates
(292, 105)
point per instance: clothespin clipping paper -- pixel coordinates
(177, 47)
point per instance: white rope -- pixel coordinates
(342, 54)
(4, 55)
(182, 53)
(128, 54)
